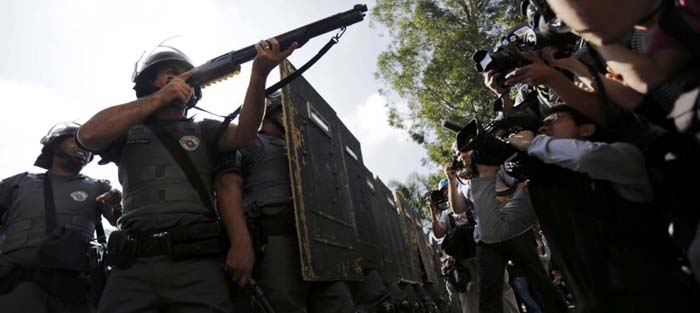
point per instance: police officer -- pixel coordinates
(267, 196)
(166, 254)
(48, 221)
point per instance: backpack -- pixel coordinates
(459, 240)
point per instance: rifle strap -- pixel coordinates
(283, 82)
(49, 205)
(186, 165)
(100, 231)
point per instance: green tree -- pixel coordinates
(428, 64)
(413, 191)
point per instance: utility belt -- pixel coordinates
(180, 243)
(68, 285)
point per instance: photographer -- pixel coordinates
(593, 202)
(603, 23)
(503, 232)
(456, 233)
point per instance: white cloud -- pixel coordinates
(29, 112)
(387, 151)
(369, 121)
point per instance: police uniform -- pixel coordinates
(34, 278)
(158, 198)
(267, 197)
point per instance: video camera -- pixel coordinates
(488, 144)
(543, 29)
(437, 197)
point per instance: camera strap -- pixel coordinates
(186, 165)
(49, 205)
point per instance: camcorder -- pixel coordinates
(489, 143)
(543, 29)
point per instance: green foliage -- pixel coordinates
(428, 63)
(413, 191)
(429, 66)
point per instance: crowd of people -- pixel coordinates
(607, 176)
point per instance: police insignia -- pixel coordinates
(189, 143)
(79, 196)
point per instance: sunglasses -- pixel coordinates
(552, 118)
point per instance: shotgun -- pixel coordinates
(229, 64)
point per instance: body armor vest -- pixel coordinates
(603, 241)
(152, 180)
(76, 208)
(266, 179)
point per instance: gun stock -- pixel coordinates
(229, 64)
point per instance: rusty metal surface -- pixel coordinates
(329, 248)
(361, 198)
(427, 257)
(408, 227)
(387, 230)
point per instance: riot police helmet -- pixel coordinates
(53, 138)
(273, 103)
(145, 73)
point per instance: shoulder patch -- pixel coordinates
(79, 195)
(189, 143)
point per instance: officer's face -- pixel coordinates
(70, 148)
(166, 73)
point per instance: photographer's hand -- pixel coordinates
(450, 172)
(432, 206)
(521, 140)
(571, 63)
(535, 74)
(490, 79)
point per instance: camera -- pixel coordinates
(506, 55)
(543, 29)
(488, 144)
(437, 197)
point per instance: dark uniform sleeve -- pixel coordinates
(8, 189)
(112, 153)
(240, 161)
(209, 129)
(227, 163)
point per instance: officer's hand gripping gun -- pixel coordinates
(229, 64)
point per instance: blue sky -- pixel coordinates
(66, 60)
